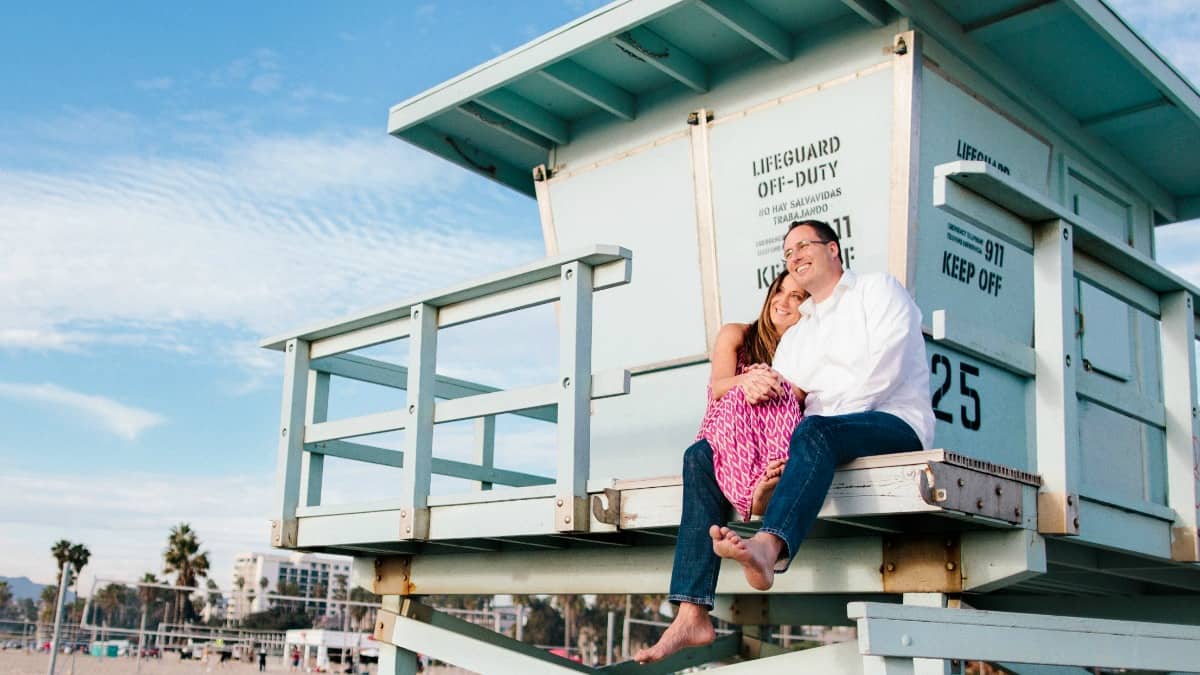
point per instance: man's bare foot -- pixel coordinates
(756, 555)
(690, 628)
(766, 486)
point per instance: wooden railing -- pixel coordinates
(1065, 248)
(314, 355)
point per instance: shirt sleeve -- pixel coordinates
(893, 321)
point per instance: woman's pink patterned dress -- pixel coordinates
(745, 438)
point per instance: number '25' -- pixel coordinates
(941, 364)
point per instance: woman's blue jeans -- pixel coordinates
(818, 446)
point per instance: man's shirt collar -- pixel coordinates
(811, 308)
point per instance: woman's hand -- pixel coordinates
(760, 383)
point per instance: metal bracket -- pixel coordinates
(922, 564)
(284, 533)
(414, 524)
(610, 515)
(969, 491)
(393, 576)
(1185, 544)
(571, 514)
(1058, 513)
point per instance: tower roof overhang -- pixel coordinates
(504, 117)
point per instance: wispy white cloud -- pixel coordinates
(1171, 26)
(124, 519)
(268, 233)
(125, 421)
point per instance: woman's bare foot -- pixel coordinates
(766, 486)
(690, 628)
(756, 555)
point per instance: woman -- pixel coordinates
(751, 410)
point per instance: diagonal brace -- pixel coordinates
(420, 628)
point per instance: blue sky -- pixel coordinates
(178, 181)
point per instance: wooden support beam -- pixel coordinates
(574, 403)
(1056, 403)
(655, 51)
(746, 21)
(721, 649)
(873, 12)
(592, 88)
(503, 125)
(931, 632)
(983, 344)
(417, 627)
(1177, 337)
(418, 442)
(291, 444)
(442, 467)
(527, 114)
(312, 465)
(460, 151)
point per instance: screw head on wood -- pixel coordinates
(412, 408)
(291, 347)
(558, 502)
(979, 503)
(891, 567)
(1068, 360)
(906, 640)
(416, 312)
(566, 383)
(1017, 512)
(568, 274)
(566, 519)
(999, 490)
(1076, 521)
(1070, 500)
(961, 482)
(1066, 234)
(283, 431)
(403, 513)
(950, 566)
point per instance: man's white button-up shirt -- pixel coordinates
(860, 350)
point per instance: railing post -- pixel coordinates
(574, 402)
(312, 465)
(1057, 407)
(485, 446)
(1177, 337)
(418, 434)
(291, 444)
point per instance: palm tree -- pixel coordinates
(5, 597)
(339, 593)
(60, 550)
(184, 558)
(240, 583)
(78, 555)
(109, 601)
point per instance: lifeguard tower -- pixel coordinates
(1007, 161)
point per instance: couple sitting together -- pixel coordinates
(832, 370)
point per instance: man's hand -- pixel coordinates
(761, 383)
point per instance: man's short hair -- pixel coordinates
(822, 228)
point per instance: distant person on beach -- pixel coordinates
(858, 352)
(751, 409)
(262, 658)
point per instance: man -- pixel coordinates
(858, 353)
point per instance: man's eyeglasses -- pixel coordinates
(800, 246)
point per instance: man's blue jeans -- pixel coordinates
(818, 446)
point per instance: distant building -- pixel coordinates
(317, 578)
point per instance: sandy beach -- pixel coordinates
(15, 662)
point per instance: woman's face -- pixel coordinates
(785, 304)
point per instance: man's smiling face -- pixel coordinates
(812, 262)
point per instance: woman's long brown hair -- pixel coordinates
(761, 336)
